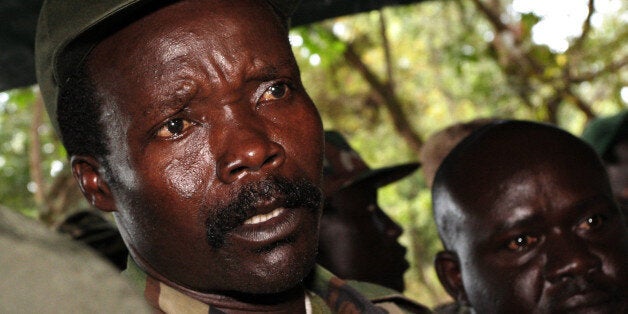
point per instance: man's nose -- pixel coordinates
(569, 257)
(248, 151)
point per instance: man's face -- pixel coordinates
(546, 239)
(359, 241)
(216, 148)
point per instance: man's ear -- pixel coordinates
(87, 172)
(447, 268)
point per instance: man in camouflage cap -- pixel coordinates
(188, 120)
(357, 239)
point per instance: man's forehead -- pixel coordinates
(511, 164)
(67, 31)
(172, 35)
(544, 185)
(491, 155)
(173, 52)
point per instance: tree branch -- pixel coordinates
(387, 52)
(609, 68)
(492, 17)
(586, 28)
(386, 98)
(34, 155)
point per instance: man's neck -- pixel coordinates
(290, 301)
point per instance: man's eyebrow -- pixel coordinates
(596, 200)
(590, 205)
(169, 102)
(269, 72)
(522, 216)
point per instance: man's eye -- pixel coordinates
(522, 242)
(592, 222)
(173, 128)
(277, 91)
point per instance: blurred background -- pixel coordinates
(387, 79)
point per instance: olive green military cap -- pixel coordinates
(603, 133)
(68, 30)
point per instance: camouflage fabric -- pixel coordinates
(452, 308)
(42, 271)
(326, 294)
(343, 167)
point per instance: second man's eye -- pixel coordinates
(592, 222)
(173, 128)
(277, 91)
(522, 242)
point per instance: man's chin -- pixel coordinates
(280, 271)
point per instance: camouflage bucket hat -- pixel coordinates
(602, 133)
(343, 167)
(68, 30)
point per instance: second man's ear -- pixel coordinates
(87, 171)
(448, 270)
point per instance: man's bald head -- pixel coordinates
(472, 175)
(527, 216)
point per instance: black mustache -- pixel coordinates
(580, 284)
(290, 194)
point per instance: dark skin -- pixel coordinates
(531, 229)
(201, 100)
(359, 241)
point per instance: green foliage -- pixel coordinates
(13, 150)
(16, 115)
(445, 70)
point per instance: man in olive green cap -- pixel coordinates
(609, 137)
(188, 120)
(358, 240)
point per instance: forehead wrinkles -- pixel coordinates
(237, 55)
(231, 69)
(224, 55)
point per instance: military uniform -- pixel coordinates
(44, 272)
(67, 32)
(325, 293)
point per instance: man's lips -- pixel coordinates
(588, 301)
(269, 228)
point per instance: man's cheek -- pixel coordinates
(188, 172)
(528, 287)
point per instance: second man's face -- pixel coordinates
(551, 241)
(359, 241)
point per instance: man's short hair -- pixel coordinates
(79, 117)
